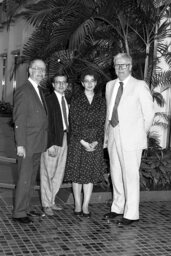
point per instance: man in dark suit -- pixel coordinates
(31, 123)
(54, 159)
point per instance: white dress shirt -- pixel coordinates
(59, 96)
(35, 85)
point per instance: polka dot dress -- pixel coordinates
(87, 123)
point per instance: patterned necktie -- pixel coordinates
(42, 98)
(114, 120)
(64, 112)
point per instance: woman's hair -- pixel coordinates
(89, 72)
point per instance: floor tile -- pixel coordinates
(68, 235)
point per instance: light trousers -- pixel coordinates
(52, 173)
(124, 166)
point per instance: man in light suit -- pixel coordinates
(31, 123)
(126, 136)
(54, 159)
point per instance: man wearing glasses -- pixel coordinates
(130, 114)
(54, 159)
(31, 122)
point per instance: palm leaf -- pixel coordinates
(158, 97)
(82, 33)
(162, 116)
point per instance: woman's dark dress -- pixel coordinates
(87, 123)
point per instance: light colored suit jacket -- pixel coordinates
(135, 113)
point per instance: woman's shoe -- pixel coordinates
(78, 213)
(86, 215)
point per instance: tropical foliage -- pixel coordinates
(75, 34)
(5, 109)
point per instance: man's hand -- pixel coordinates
(52, 151)
(21, 151)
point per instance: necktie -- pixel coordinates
(64, 112)
(114, 120)
(42, 98)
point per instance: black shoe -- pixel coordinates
(126, 222)
(78, 213)
(35, 214)
(25, 220)
(86, 215)
(111, 215)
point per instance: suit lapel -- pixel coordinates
(112, 97)
(36, 97)
(127, 89)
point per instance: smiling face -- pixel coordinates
(123, 67)
(89, 83)
(37, 71)
(60, 84)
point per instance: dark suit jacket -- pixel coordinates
(30, 120)
(55, 125)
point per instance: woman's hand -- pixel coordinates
(94, 144)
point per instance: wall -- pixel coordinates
(11, 44)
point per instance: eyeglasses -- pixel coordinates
(121, 66)
(60, 83)
(91, 81)
(39, 69)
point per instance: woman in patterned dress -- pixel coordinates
(85, 162)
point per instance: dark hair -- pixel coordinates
(59, 73)
(89, 72)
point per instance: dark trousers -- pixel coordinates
(27, 168)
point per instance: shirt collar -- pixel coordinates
(125, 80)
(33, 82)
(59, 95)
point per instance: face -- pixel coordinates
(89, 83)
(60, 84)
(122, 68)
(37, 71)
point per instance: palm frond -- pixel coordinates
(161, 124)
(168, 57)
(44, 11)
(162, 79)
(164, 31)
(84, 31)
(162, 49)
(163, 116)
(158, 97)
(153, 140)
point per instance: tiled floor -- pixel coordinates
(68, 235)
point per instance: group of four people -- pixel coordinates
(120, 123)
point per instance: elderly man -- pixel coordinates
(129, 117)
(31, 123)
